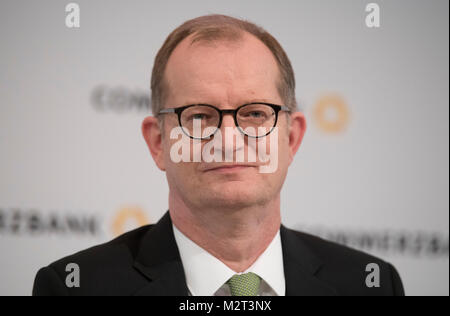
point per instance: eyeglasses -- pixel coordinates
(249, 118)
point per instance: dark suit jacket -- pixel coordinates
(146, 261)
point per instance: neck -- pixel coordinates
(237, 237)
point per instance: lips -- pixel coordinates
(228, 167)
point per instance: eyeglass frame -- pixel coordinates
(275, 107)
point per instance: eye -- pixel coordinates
(255, 114)
(199, 116)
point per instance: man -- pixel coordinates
(222, 234)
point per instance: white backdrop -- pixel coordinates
(372, 172)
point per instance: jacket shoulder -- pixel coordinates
(103, 269)
(351, 271)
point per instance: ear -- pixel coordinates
(153, 137)
(297, 130)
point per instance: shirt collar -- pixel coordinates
(205, 274)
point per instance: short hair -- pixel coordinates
(217, 27)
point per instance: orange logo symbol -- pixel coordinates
(331, 113)
(125, 215)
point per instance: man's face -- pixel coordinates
(224, 74)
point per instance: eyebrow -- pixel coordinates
(238, 104)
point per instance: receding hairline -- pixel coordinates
(217, 27)
(216, 33)
(230, 35)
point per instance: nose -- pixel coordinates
(227, 121)
(232, 140)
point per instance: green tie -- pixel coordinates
(244, 284)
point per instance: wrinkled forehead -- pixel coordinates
(234, 64)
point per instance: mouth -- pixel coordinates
(229, 168)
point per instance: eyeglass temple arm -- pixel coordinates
(285, 108)
(164, 111)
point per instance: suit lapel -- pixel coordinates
(300, 267)
(158, 259)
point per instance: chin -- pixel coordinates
(234, 196)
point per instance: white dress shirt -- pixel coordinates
(207, 276)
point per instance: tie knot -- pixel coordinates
(246, 284)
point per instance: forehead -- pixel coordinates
(219, 70)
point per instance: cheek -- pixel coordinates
(276, 146)
(177, 169)
(181, 177)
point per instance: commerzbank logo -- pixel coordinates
(34, 222)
